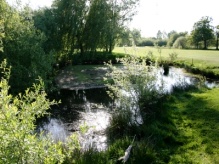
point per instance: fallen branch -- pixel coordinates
(125, 158)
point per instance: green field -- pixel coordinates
(196, 57)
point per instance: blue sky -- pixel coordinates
(163, 15)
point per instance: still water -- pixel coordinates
(91, 110)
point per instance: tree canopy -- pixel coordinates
(202, 32)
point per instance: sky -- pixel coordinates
(163, 15)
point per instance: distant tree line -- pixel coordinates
(202, 36)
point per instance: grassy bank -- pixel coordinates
(204, 62)
(196, 116)
(186, 131)
(180, 128)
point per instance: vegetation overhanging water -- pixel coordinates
(88, 112)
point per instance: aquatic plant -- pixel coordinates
(132, 81)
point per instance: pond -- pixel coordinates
(90, 111)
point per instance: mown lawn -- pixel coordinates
(196, 116)
(203, 57)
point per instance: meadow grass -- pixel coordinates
(195, 57)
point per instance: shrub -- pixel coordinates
(132, 83)
(18, 141)
(180, 42)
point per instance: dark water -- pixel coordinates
(82, 109)
(91, 110)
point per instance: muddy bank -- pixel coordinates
(81, 77)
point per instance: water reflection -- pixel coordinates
(176, 77)
(92, 109)
(79, 109)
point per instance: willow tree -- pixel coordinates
(95, 30)
(91, 24)
(70, 18)
(120, 12)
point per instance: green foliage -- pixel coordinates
(173, 56)
(19, 143)
(202, 31)
(45, 21)
(94, 25)
(23, 49)
(134, 86)
(146, 42)
(180, 42)
(217, 36)
(96, 57)
(132, 80)
(173, 36)
(3, 8)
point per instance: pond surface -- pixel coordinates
(80, 109)
(90, 111)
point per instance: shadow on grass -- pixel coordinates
(197, 121)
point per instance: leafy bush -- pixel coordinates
(146, 42)
(23, 49)
(18, 141)
(180, 42)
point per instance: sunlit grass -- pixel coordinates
(195, 57)
(197, 121)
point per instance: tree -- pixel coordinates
(45, 21)
(159, 35)
(23, 49)
(120, 12)
(3, 7)
(70, 17)
(136, 35)
(173, 35)
(217, 36)
(125, 38)
(202, 31)
(96, 27)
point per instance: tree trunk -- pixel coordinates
(81, 49)
(110, 48)
(205, 44)
(217, 43)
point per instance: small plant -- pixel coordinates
(84, 128)
(173, 56)
(131, 83)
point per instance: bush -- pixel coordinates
(180, 42)
(146, 42)
(19, 142)
(133, 83)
